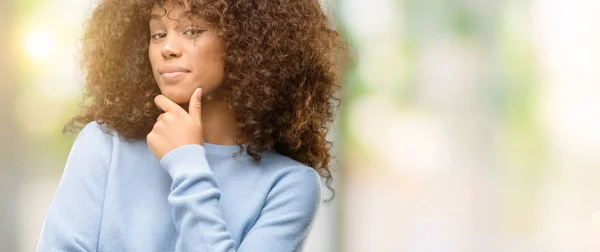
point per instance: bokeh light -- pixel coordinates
(39, 44)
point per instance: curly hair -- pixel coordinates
(281, 73)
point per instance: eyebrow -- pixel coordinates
(186, 14)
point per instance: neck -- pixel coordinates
(218, 122)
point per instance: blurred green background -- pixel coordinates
(466, 125)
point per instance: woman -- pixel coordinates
(205, 125)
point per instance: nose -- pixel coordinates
(171, 48)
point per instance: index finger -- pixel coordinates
(166, 105)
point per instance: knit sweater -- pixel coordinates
(114, 195)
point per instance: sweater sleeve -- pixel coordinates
(282, 225)
(72, 222)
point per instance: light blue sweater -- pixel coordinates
(114, 195)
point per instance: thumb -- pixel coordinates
(195, 109)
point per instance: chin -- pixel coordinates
(177, 94)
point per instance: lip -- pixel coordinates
(173, 69)
(170, 73)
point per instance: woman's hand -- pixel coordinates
(176, 127)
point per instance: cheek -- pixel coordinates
(207, 56)
(209, 61)
(152, 55)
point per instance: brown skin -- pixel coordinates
(176, 127)
(279, 73)
(189, 44)
(191, 53)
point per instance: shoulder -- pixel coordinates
(90, 158)
(95, 141)
(285, 167)
(95, 132)
(293, 178)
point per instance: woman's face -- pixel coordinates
(184, 54)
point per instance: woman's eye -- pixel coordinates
(193, 32)
(158, 36)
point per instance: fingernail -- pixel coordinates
(200, 94)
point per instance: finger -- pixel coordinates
(195, 108)
(151, 139)
(164, 116)
(166, 105)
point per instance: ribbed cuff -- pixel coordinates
(184, 159)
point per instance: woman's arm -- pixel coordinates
(73, 219)
(283, 222)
